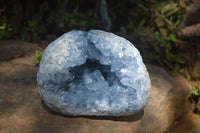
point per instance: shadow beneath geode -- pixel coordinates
(128, 118)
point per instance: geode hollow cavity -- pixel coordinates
(93, 73)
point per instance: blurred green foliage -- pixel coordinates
(194, 98)
(43, 19)
(163, 18)
(167, 16)
(155, 20)
(5, 31)
(38, 54)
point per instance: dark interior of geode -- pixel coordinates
(103, 74)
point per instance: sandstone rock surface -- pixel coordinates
(21, 109)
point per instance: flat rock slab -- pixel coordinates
(21, 109)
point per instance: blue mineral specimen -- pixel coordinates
(93, 73)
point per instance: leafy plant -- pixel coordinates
(5, 31)
(32, 26)
(30, 31)
(29, 21)
(38, 54)
(166, 16)
(161, 19)
(77, 21)
(194, 98)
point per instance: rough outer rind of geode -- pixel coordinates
(93, 73)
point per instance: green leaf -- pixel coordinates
(166, 8)
(38, 54)
(176, 23)
(32, 24)
(188, 75)
(156, 35)
(83, 23)
(195, 91)
(172, 37)
(142, 22)
(180, 60)
(173, 11)
(3, 27)
(175, 58)
(176, 68)
(181, 71)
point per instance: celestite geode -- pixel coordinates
(93, 73)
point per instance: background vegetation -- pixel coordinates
(151, 25)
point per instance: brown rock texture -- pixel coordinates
(21, 110)
(190, 123)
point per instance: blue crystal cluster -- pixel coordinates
(93, 73)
